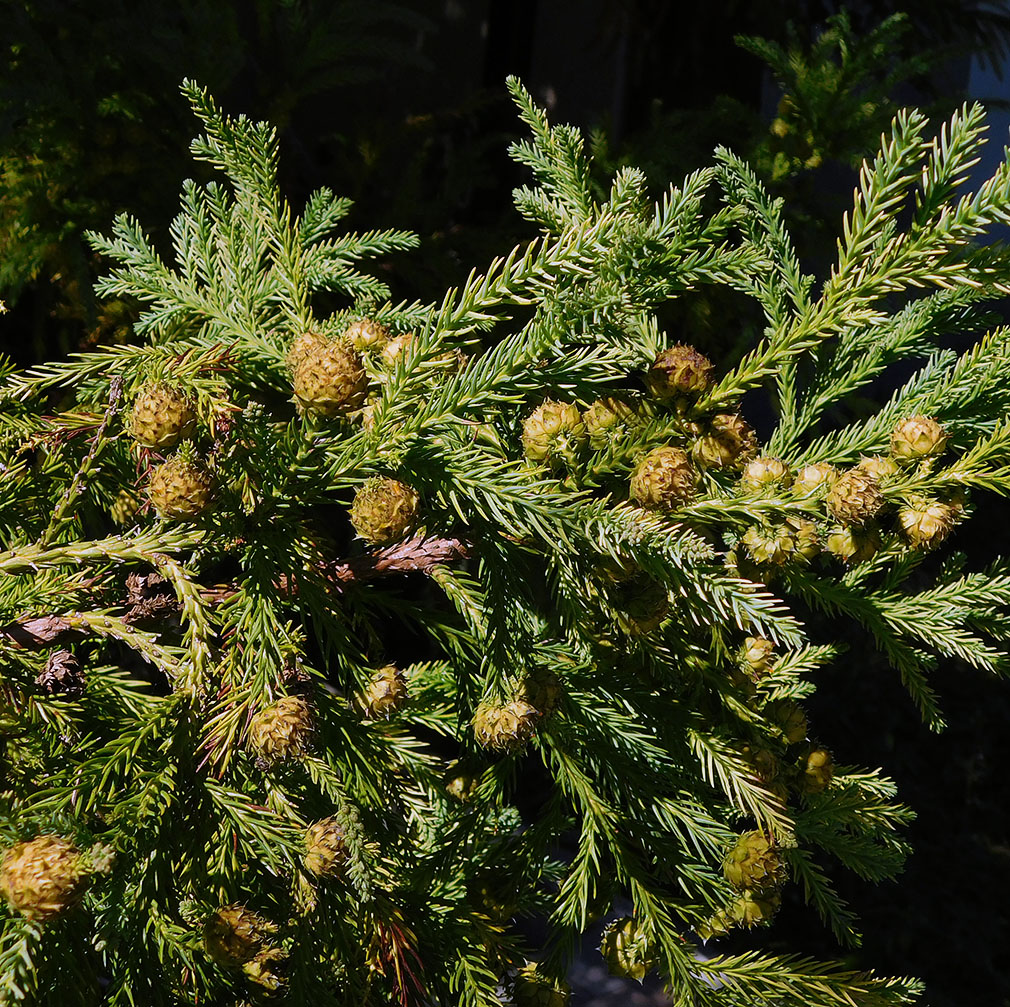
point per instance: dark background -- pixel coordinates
(403, 108)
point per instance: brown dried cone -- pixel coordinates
(505, 727)
(329, 378)
(605, 418)
(755, 863)
(625, 948)
(642, 604)
(384, 510)
(162, 415)
(917, 437)
(180, 488)
(772, 546)
(765, 475)
(554, 430)
(534, 989)
(282, 730)
(234, 935)
(855, 497)
(664, 479)
(814, 480)
(385, 693)
(729, 442)
(326, 852)
(679, 370)
(750, 910)
(790, 718)
(853, 544)
(926, 523)
(62, 675)
(367, 334)
(817, 769)
(757, 657)
(542, 689)
(42, 877)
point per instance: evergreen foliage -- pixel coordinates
(294, 767)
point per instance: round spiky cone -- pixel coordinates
(367, 334)
(817, 768)
(926, 523)
(606, 417)
(505, 727)
(384, 694)
(765, 474)
(729, 442)
(552, 431)
(325, 848)
(534, 989)
(879, 466)
(384, 510)
(282, 730)
(853, 544)
(162, 415)
(301, 346)
(754, 863)
(625, 948)
(664, 479)
(774, 546)
(814, 480)
(757, 656)
(750, 910)
(180, 488)
(917, 437)
(542, 690)
(328, 378)
(234, 935)
(855, 497)
(62, 675)
(679, 370)
(43, 877)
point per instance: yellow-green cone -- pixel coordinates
(384, 510)
(728, 443)
(180, 489)
(754, 863)
(282, 730)
(325, 848)
(42, 877)
(664, 479)
(384, 694)
(817, 768)
(367, 334)
(553, 431)
(855, 497)
(234, 935)
(625, 948)
(329, 378)
(917, 437)
(679, 370)
(162, 415)
(506, 727)
(814, 480)
(534, 989)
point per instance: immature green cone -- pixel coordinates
(367, 334)
(817, 768)
(768, 545)
(853, 544)
(605, 418)
(384, 510)
(679, 370)
(542, 690)
(879, 466)
(329, 378)
(124, 508)
(755, 863)
(460, 784)
(264, 971)
(534, 989)
(282, 730)
(506, 727)
(385, 694)
(917, 437)
(926, 523)
(625, 948)
(806, 539)
(814, 480)
(301, 346)
(729, 442)
(162, 415)
(855, 497)
(757, 656)
(765, 475)
(791, 719)
(642, 604)
(42, 877)
(754, 909)
(234, 935)
(180, 489)
(664, 479)
(325, 848)
(552, 431)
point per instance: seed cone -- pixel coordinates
(855, 497)
(757, 656)
(459, 783)
(534, 989)
(664, 479)
(385, 694)
(62, 675)
(729, 442)
(814, 480)
(180, 489)
(328, 377)
(367, 334)
(542, 690)
(679, 370)
(605, 418)
(162, 415)
(43, 877)
(326, 848)
(853, 544)
(791, 719)
(765, 475)
(750, 910)
(642, 604)
(754, 863)
(768, 545)
(384, 510)
(553, 431)
(234, 935)
(926, 523)
(818, 769)
(625, 948)
(917, 437)
(879, 466)
(283, 730)
(505, 728)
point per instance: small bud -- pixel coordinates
(917, 437)
(554, 431)
(234, 935)
(664, 479)
(642, 604)
(542, 690)
(534, 989)
(790, 718)
(679, 370)
(855, 497)
(43, 877)
(395, 349)
(460, 784)
(767, 545)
